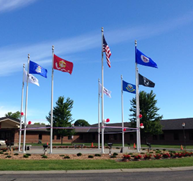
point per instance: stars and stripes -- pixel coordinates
(107, 51)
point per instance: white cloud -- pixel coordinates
(8, 5)
(12, 57)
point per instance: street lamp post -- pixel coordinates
(183, 126)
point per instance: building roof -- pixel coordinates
(9, 119)
(176, 124)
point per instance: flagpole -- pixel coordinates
(98, 114)
(26, 99)
(137, 103)
(123, 139)
(51, 123)
(102, 98)
(20, 126)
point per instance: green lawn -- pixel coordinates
(15, 165)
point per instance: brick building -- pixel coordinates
(173, 133)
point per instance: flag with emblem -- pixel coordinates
(145, 81)
(107, 51)
(105, 91)
(32, 79)
(142, 59)
(129, 87)
(35, 68)
(62, 65)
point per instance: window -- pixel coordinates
(93, 136)
(162, 137)
(131, 137)
(107, 136)
(115, 136)
(154, 137)
(70, 137)
(191, 136)
(40, 136)
(81, 136)
(58, 137)
(176, 136)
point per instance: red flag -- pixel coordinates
(62, 65)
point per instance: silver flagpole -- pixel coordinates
(25, 121)
(137, 103)
(20, 126)
(123, 139)
(98, 114)
(102, 98)
(51, 123)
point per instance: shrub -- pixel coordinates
(44, 156)
(142, 153)
(157, 156)
(16, 154)
(66, 157)
(166, 155)
(137, 157)
(79, 154)
(5, 153)
(1, 152)
(117, 148)
(115, 153)
(147, 156)
(8, 156)
(164, 149)
(25, 156)
(127, 156)
(90, 156)
(158, 151)
(28, 154)
(97, 155)
(113, 156)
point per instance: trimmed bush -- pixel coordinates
(90, 156)
(97, 155)
(1, 152)
(44, 156)
(16, 154)
(66, 157)
(113, 156)
(79, 154)
(28, 154)
(8, 156)
(115, 153)
(25, 156)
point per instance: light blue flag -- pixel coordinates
(129, 87)
(142, 59)
(34, 68)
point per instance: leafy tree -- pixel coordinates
(62, 117)
(39, 124)
(15, 115)
(81, 122)
(150, 117)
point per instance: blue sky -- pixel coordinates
(163, 30)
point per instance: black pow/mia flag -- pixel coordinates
(146, 82)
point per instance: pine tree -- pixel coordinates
(62, 117)
(150, 117)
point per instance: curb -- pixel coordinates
(100, 171)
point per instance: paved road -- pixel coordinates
(129, 176)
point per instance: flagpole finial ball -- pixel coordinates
(102, 29)
(135, 42)
(28, 55)
(52, 47)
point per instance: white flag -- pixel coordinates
(31, 78)
(106, 91)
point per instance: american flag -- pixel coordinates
(107, 51)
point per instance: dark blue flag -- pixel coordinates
(129, 87)
(34, 68)
(142, 59)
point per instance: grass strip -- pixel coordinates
(30, 165)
